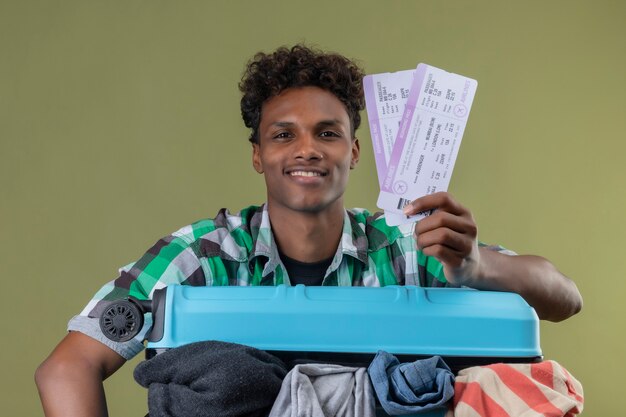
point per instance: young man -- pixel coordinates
(303, 108)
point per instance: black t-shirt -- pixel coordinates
(307, 273)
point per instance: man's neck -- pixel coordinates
(307, 237)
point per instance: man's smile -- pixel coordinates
(306, 172)
(307, 176)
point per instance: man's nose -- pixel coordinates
(307, 147)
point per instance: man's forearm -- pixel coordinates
(554, 296)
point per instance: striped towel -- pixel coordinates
(543, 389)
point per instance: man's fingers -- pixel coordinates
(448, 234)
(457, 242)
(442, 219)
(441, 200)
(445, 255)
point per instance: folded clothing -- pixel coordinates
(413, 387)
(318, 390)
(211, 379)
(513, 390)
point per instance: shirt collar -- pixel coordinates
(353, 243)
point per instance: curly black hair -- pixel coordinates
(267, 75)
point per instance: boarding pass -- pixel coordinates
(428, 137)
(385, 97)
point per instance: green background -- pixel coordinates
(119, 123)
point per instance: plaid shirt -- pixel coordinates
(239, 249)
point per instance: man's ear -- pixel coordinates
(256, 158)
(356, 153)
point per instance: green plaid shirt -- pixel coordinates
(239, 249)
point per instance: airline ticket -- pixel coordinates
(427, 141)
(385, 97)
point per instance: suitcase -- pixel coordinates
(345, 325)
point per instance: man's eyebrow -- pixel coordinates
(330, 122)
(321, 123)
(283, 124)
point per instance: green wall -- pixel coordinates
(119, 123)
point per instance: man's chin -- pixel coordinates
(310, 207)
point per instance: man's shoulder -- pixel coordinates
(376, 219)
(224, 222)
(375, 226)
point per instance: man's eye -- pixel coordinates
(282, 135)
(329, 134)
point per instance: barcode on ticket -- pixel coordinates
(403, 202)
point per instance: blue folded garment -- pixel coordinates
(413, 387)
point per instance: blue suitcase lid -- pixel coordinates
(397, 319)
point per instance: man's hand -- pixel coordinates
(449, 235)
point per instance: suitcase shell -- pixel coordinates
(403, 320)
(350, 324)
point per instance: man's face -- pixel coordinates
(305, 149)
